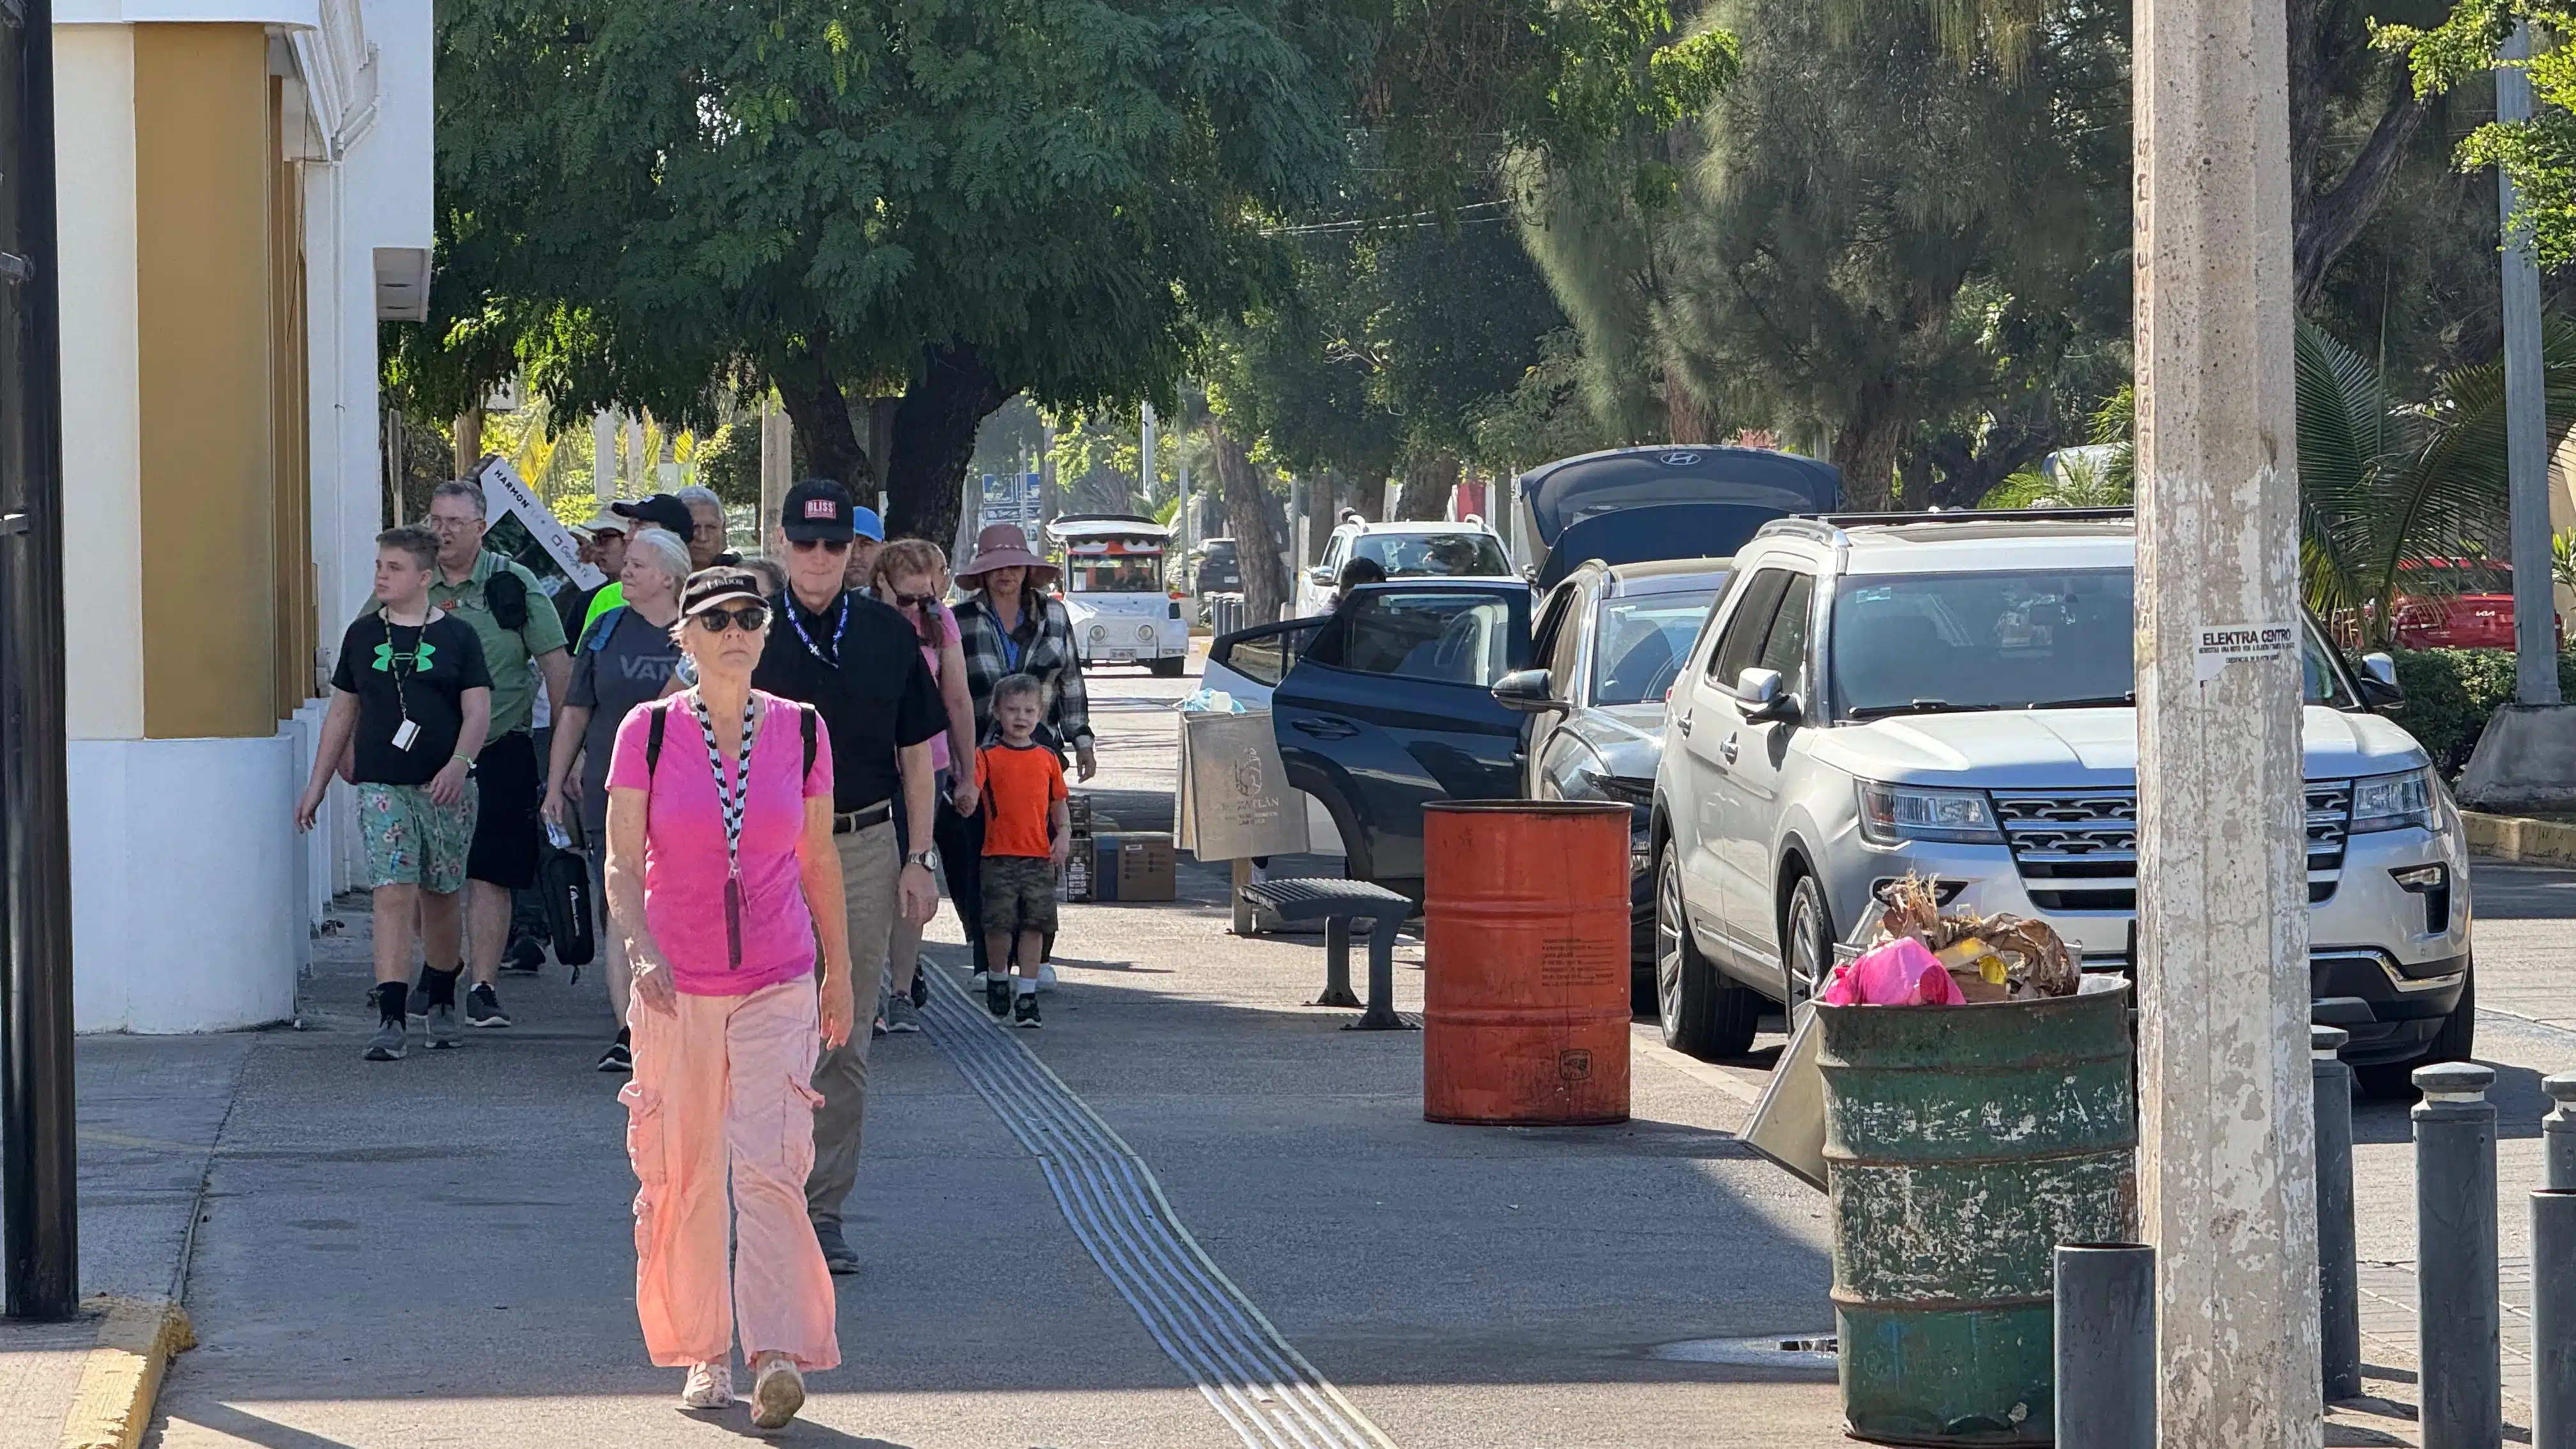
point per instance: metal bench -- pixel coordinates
(1337, 903)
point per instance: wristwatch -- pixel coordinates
(926, 859)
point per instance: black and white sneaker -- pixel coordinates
(444, 1033)
(388, 1044)
(997, 996)
(619, 1057)
(1024, 1012)
(526, 957)
(483, 1006)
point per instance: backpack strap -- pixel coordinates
(805, 723)
(660, 711)
(596, 637)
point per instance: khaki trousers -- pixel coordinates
(870, 869)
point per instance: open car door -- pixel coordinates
(1391, 707)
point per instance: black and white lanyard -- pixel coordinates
(796, 621)
(733, 792)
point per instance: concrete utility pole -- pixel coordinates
(603, 458)
(2227, 1165)
(1145, 463)
(777, 453)
(2526, 759)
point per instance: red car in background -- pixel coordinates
(2466, 603)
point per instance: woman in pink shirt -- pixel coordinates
(910, 576)
(721, 875)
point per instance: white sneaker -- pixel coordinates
(976, 982)
(1046, 976)
(777, 1391)
(709, 1386)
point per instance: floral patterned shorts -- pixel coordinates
(411, 841)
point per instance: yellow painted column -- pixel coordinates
(207, 562)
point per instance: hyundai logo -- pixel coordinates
(1680, 460)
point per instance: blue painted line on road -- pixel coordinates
(1257, 1382)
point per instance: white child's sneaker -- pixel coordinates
(710, 1386)
(777, 1391)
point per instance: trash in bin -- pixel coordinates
(1991, 958)
(1894, 973)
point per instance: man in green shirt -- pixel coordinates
(516, 625)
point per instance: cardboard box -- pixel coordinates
(1146, 867)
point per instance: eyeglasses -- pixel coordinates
(750, 619)
(827, 545)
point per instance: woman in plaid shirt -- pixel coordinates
(1007, 624)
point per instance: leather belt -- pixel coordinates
(863, 818)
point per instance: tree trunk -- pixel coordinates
(469, 441)
(1368, 495)
(934, 440)
(2326, 223)
(1685, 421)
(1428, 479)
(821, 413)
(1256, 535)
(1867, 446)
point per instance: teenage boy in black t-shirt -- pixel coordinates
(412, 693)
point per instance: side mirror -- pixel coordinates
(2379, 688)
(1527, 691)
(1760, 698)
(1321, 577)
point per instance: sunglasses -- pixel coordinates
(915, 601)
(750, 619)
(827, 545)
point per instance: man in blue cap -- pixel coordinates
(867, 540)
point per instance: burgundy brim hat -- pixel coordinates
(1002, 546)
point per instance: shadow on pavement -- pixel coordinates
(2519, 1104)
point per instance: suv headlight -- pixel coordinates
(1890, 813)
(2393, 802)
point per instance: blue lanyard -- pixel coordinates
(1010, 651)
(794, 617)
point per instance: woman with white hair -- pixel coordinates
(626, 657)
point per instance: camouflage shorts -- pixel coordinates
(411, 841)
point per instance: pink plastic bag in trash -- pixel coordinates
(1900, 973)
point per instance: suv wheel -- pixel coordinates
(1701, 1014)
(2455, 1042)
(1810, 941)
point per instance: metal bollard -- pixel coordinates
(2553, 1318)
(2456, 1319)
(2106, 1345)
(2338, 1271)
(2558, 1129)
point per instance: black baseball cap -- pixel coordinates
(708, 588)
(662, 511)
(817, 509)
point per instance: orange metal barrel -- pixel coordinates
(1525, 991)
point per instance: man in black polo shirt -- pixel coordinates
(859, 664)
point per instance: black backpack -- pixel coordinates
(661, 718)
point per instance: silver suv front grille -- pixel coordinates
(2077, 850)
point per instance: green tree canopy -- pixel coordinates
(942, 201)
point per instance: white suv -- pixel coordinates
(1466, 549)
(1954, 698)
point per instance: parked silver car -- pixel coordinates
(1954, 698)
(1609, 643)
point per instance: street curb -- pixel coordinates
(2519, 838)
(122, 1374)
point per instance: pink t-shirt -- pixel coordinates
(684, 846)
(930, 656)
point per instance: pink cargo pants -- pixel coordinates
(724, 1083)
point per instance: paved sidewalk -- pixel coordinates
(1189, 1207)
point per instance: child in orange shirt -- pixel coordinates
(1028, 830)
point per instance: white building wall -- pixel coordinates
(204, 929)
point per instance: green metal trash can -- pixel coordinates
(1962, 1145)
